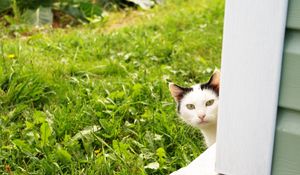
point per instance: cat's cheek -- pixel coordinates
(196, 123)
(213, 112)
(186, 119)
(185, 116)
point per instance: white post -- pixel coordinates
(251, 64)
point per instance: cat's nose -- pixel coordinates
(202, 116)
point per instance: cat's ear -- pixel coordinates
(178, 92)
(214, 82)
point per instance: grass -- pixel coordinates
(94, 99)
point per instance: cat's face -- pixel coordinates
(198, 105)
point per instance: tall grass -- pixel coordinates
(83, 101)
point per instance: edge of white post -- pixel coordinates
(251, 65)
(202, 165)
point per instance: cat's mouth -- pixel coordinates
(201, 122)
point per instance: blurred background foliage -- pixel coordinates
(62, 13)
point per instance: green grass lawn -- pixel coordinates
(57, 86)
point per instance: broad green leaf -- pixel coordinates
(74, 11)
(45, 134)
(39, 117)
(24, 147)
(89, 9)
(38, 17)
(29, 125)
(4, 5)
(63, 155)
(161, 153)
(33, 4)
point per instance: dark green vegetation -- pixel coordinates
(56, 87)
(19, 14)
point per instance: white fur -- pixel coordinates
(199, 97)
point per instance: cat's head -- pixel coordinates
(198, 105)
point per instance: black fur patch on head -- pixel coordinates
(178, 93)
(208, 86)
(213, 83)
(186, 91)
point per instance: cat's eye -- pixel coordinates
(209, 102)
(190, 106)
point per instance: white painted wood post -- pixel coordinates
(251, 64)
(202, 165)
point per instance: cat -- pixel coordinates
(198, 106)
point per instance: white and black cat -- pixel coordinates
(198, 106)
